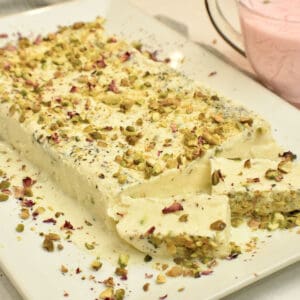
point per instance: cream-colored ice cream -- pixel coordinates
(189, 226)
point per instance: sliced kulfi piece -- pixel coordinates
(257, 186)
(191, 226)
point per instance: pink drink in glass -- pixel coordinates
(271, 31)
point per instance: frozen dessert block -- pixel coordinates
(103, 118)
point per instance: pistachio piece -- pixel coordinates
(119, 294)
(160, 279)
(183, 218)
(20, 227)
(246, 120)
(218, 225)
(288, 155)
(3, 197)
(48, 244)
(216, 177)
(96, 265)
(210, 138)
(247, 164)
(107, 293)
(5, 184)
(175, 271)
(123, 260)
(89, 246)
(218, 118)
(285, 166)
(274, 175)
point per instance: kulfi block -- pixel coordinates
(257, 186)
(103, 118)
(186, 227)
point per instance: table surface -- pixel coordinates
(192, 21)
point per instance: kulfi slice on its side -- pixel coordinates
(257, 186)
(191, 226)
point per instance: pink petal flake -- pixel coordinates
(113, 87)
(73, 89)
(68, 225)
(125, 56)
(100, 63)
(38, 40)
(51, 220)
(150, 230)
(28, 182)
(172, 208)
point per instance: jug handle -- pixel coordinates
(217, 28)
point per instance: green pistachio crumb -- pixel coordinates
(20, 227)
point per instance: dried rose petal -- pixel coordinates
(28, 182)
(288, 155)
(54, 137)
(159, 152)
(6, 66)
(108, 128)
(163, 297)
(201, 140)
(91, 86)
(3, 35)
(10, 47)
(148, 276)
(68, 225)
(112, 40)
(31, 83)
(125, 56)
(232, 256)
(38, 40)
(206, 272)
(73, 89)
(174, 127)
(28, 203)
(101, 63)
(172, 208)
(50, 220)
(150, 230)
(253, 180)
(113, 87)
(6, 191)
(153, 55)
(71, 114)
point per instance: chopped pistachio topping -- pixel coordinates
(123, 260)
(218, 225)
(107, 293)
(96, 264)
(285, 166)
(3, 197)
(274, 175)
(20, 228)
(160, 279)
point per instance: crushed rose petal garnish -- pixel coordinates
(172, 208)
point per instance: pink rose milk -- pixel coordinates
(271, 31)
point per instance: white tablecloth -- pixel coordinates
(190, 17)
